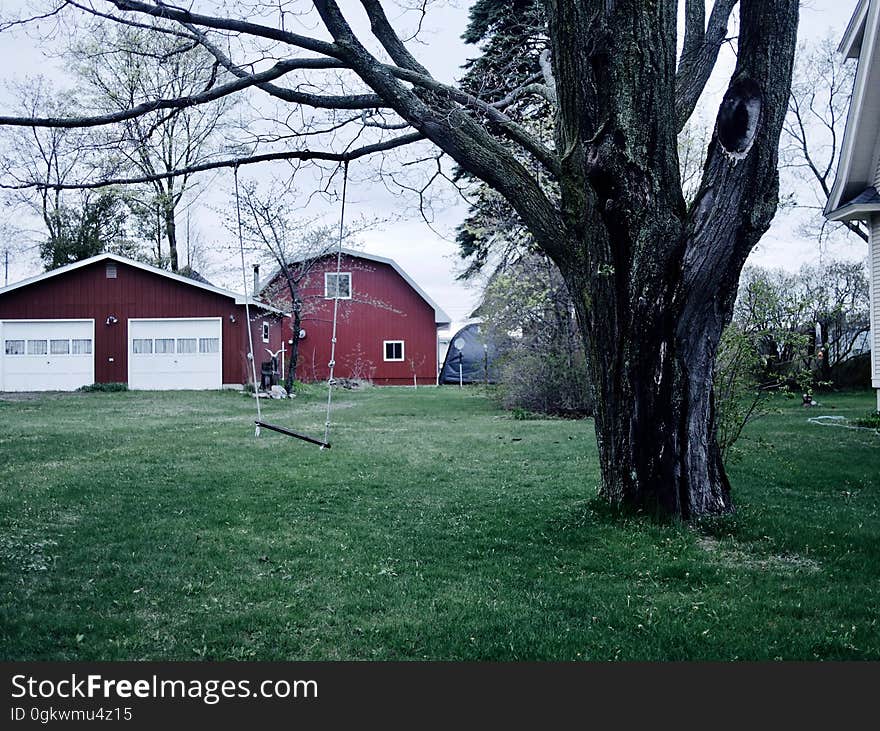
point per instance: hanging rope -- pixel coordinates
(247, 309)
(332, 363)
(330, 381)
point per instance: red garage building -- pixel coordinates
(386, 326)
(109, 319)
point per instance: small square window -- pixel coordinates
(393, 350)
(111, 271)
(15, 347)
(186, 345)
(209, 345)
(81, 347)
(164, 345)
(37, 347)
(265, 332)
(59, 347)
(337, 285)
(142, 346)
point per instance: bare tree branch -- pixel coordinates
(322, 155)
(699, 53)
(210, 95)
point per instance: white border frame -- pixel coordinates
(333, 274)
(402, 357)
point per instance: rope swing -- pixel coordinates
(258, 422)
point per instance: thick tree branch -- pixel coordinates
(740, 182)
(210, 95)
(228, 24)
(320, 155)
(389, 39)
(354, 101)
(699, 53)
(451, 129)
(514, 131)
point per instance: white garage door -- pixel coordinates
(181, 354)
(46, 355)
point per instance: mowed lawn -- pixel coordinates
(154, 526)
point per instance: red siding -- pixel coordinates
(383, 307)
(135, 293)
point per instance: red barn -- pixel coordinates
(109, 319)
(386, 326)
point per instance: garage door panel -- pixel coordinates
(166, 354)
(46, 355)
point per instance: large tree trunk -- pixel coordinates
(654, 280)
(655, 415)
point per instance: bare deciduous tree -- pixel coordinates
(813, 131)
(294, 247)
(137, 64)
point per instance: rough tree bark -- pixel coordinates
(171, 235)
(655, 282)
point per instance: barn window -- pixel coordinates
(59, 347)
(15, 347)
(265, 332)
(111, 271)
(37, 347)
(142, 346)
(209, 345)
(81, 347)
(393, 349)
(186, 345)
(337, 285)
(164, 345)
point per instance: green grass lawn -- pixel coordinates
(154, 526)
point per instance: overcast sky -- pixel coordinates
(428, 254)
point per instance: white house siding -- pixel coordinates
(874, 260)
(877, 171)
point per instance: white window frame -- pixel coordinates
(386, 343)
(173, 350)
(202, 346)
(141, 352)
(194, 351)
(31, 347)
(52, 341)
(73, 347)
(266, 332)
(327, 275)
(23, 342)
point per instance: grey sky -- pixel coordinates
(428, 253)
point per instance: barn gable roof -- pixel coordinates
(239, 299)
(440, 317)
(860, 149)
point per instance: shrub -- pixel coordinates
(555, 383)
(870, 420)
(103, 388)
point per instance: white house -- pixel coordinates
(856, 191)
